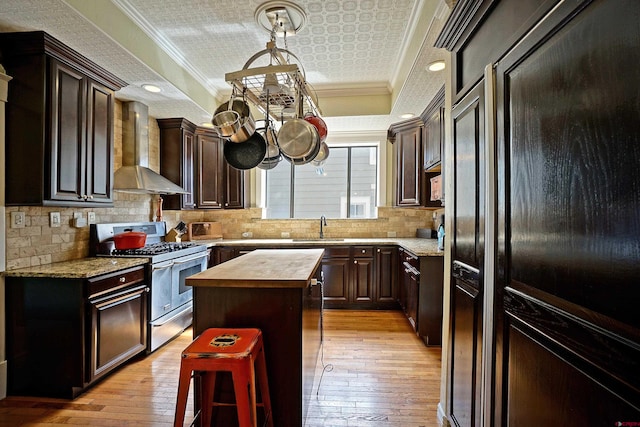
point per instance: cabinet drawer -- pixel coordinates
(336, 251)
(107, 283)
(410, 259)
(362, 251)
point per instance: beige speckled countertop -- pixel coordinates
(83, 268)
(415, 245)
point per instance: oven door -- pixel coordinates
(183, 268)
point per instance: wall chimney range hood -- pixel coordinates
(135, 176)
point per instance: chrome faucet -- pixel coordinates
(323, 221)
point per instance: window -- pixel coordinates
(344, 187)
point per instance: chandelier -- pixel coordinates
(273, 81)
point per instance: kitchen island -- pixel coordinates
(273, 290)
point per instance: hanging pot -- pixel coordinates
(246, 125)
(299, 141)
(247, 154)
(323, 153)
(320, 125)
(272, 156)
(130, 240)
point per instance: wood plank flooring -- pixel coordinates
(376, 373)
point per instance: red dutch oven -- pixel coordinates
(130, 240)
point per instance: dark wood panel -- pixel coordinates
(468, 175)
(568, 202)
(67, 132)
(386, 275)
(210, 185)
(466, 355)
(573, 154)
(99, 142)
(336, 280)
(545, 389)
(408, 167)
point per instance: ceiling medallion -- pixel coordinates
(281, 17)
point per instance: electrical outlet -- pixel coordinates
(77, 215)
(285, 235)
(17, 220)
(247, 234)
(54, 219)
(391, 234)
(91, 217)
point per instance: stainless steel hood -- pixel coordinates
(135, 176)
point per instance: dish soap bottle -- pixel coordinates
(441, 234)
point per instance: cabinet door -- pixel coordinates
(234, 187)
(467, 252)
(408, 167)
(99, 156)
(336, 281)
(432, 137)
(210, 185)
(178, 160)
(68, 164)
(362, 280)
(386, 277)
(568, 258)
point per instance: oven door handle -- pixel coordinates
(164, 267)
(183, 261)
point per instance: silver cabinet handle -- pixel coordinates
(122, 280)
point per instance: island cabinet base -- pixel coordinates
(290, 320)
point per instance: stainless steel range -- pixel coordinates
(171, 305)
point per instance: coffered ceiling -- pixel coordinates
(366, 59)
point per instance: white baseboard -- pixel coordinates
(3, 379)
(443, 421)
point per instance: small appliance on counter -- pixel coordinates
(204, 231)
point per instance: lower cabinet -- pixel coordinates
(420, 282)
(65, 334)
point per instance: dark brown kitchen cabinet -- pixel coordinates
(336, 264)
(406, 138)
(177, 160)
(420, 283)
(65, 334)
(560, 268)
(60, 124)
(386, 277)
(433, 133)
(362, 274)
(218, 185)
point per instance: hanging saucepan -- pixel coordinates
(299, 141)
(247, 154)
(320, 125)
(323, 153)
(272, 156)
(246, 126)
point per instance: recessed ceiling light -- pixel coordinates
(206, 125)
(436, 66)
(406, 116)
(151, 88)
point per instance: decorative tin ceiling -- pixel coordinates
(354, 52)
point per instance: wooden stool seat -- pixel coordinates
(237, 350)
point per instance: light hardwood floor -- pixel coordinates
(376, 373)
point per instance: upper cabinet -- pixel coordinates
(60, 124)
(218, 185)
(406, 137)
(177, 160)
(418, 155)
(193, 158)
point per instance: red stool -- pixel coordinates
(239, 351)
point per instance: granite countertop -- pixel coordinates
(83, 268)
(417, 246)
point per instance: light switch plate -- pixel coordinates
(17, 220)
(54, 219)
(91, 217)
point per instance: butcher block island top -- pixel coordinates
(264, 268)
